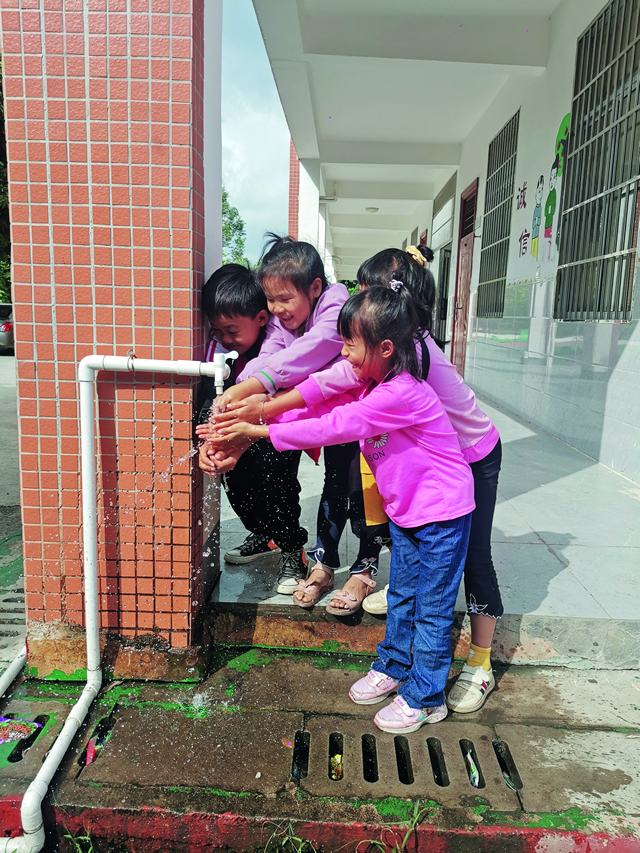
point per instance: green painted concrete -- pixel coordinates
(258, 656)
(11, 572)
(7, 748)
(58, 675)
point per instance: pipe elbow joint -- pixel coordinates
(32, 842)
(87, 368)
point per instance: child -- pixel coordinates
(427, 490)
(236, 308)
(302, 339)
(481, 447)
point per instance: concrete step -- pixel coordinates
(583, 643)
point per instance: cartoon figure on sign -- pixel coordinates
(562, 143)
(562, 152)
(537, 217)
(550, 207)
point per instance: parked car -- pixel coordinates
(6, 326)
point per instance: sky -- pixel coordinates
(255, 136)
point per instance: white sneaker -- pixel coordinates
(471, 689)
(293, 568)
(377, 602)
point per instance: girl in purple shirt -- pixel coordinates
(302, 338)
(427, 491)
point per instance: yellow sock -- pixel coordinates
(479, 657)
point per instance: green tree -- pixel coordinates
(5, 238)
(233, 233)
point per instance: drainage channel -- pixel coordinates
(448, 763)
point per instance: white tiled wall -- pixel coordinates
(579, 381)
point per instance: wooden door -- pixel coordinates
(461, 308)
(468, 201)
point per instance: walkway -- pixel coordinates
(566, 549)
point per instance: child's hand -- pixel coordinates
(230, 435)
(239, 392)
(235, 394)
(237, 431)
(226, 461)
(249, 410)
(207, 432)
(205, 458)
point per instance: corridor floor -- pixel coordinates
(566, 538)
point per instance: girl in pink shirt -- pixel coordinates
(427, 491)
(481, 447)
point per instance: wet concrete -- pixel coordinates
(232, 750)
(595, 771)
(181, 757)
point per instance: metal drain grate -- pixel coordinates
(444, 763)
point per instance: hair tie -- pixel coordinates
(395, 285)
(417, 255)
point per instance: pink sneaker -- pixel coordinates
(399, 718)
(373, 688)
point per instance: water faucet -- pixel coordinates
(221, 369)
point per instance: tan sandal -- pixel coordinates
(313, 588)
(352, 601)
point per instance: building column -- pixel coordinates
(309, 203)
(294, 191)
(105, 141)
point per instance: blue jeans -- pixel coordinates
(426, 568)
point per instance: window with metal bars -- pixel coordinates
(496, 227)
(599, 234)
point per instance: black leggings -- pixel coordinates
(480, 582)
(341, 500)
(264, 491)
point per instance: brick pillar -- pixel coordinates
(294, 191)
(104, 120)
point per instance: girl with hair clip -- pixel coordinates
(480, 444)
(301, 339)
(427, 491)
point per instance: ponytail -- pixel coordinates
(409, 267)
(294, 260)
(384, 313)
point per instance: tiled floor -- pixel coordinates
(566, 532)
(255, 583)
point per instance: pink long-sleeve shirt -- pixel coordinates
(405, 436)
(476, 433)
(286, 359)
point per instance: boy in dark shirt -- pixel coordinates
(263, 488)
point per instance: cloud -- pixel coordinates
(255, 136)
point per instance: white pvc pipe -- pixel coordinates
(31, 810)
(8, 676)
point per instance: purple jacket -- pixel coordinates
(405, 436)
(286, 359)
(476, 433)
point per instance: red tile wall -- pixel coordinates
(103, 110)
(294, 191)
